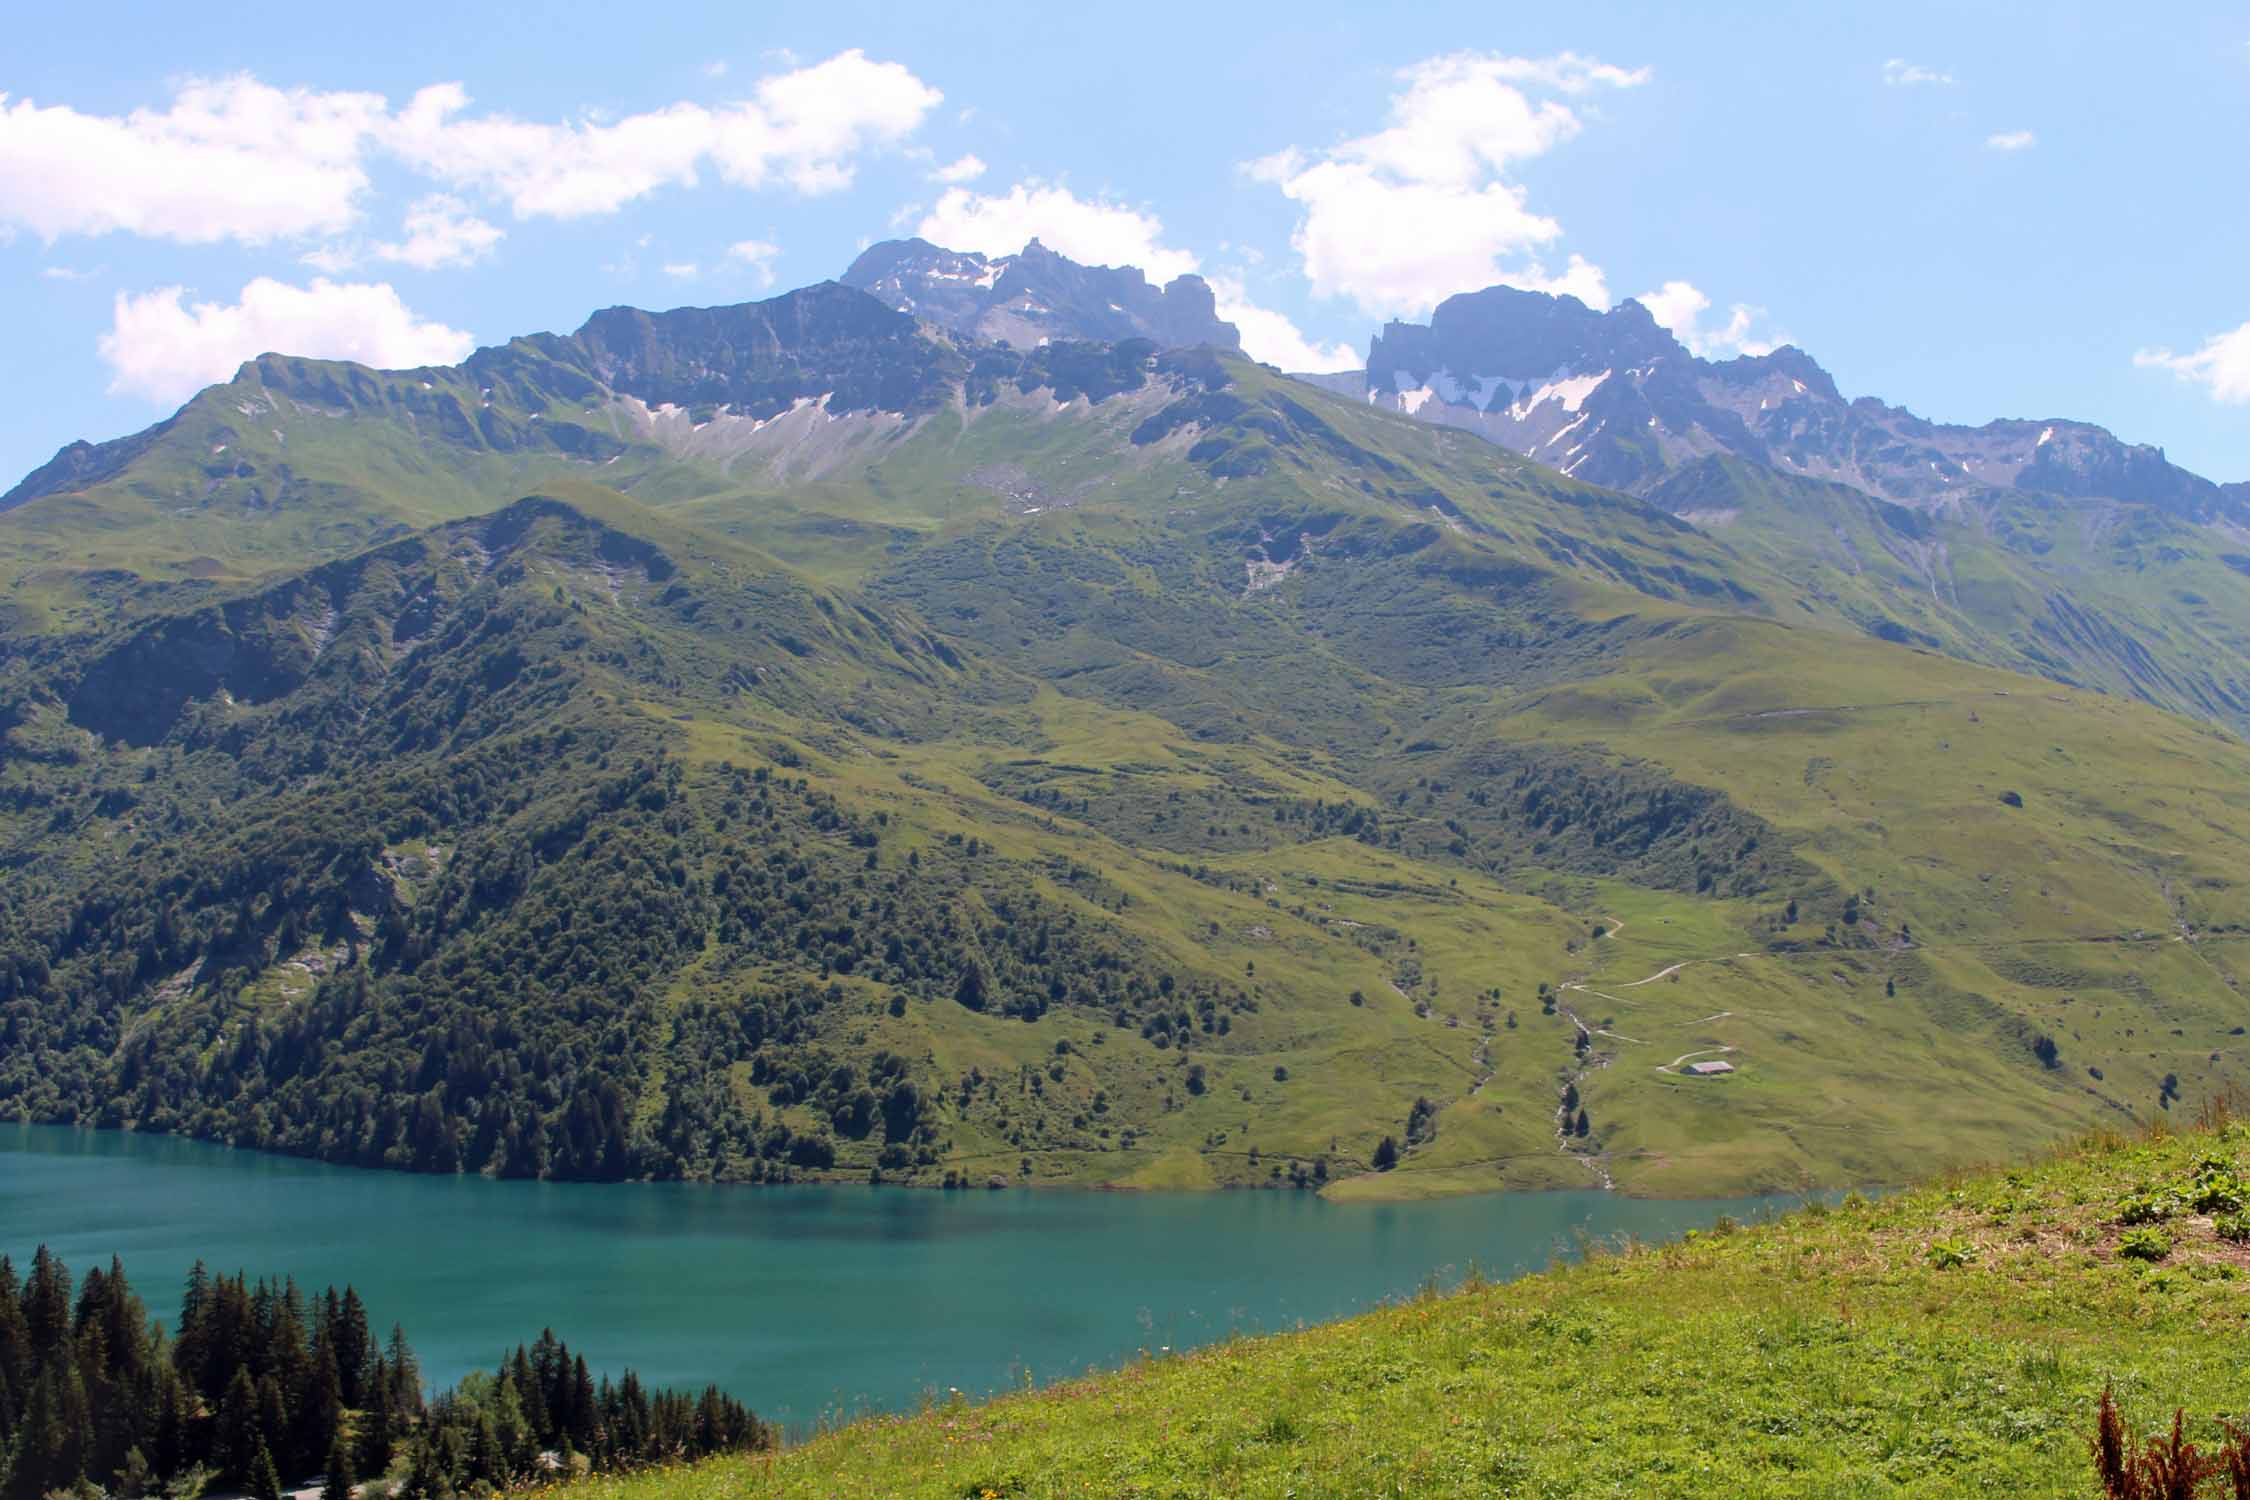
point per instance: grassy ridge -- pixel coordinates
(1949, 1341)
(1360, 729)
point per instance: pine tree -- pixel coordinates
(273, 1421)
(339, 1483)
(264, 1480)
(46, 1306)
(355, 1348)
(320, 1410)
(974, 988)
(406, 1374)
(235, 1438)
(585, 1413)
(1585, 1127)
(378, 1423)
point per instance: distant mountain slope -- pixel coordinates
(296, 460)
(1179, 783)
(1037, 296)
(1613, 398)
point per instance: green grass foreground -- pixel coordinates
(1953, 1340)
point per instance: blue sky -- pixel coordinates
(1976, 212)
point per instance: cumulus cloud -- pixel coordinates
(1901, 74)
(1270, 336)
(165, 348)
(1093, 231)
(966, 169)
(441, 231)
(238, 159)
(1103, 232)
(232, 158)
(802, 128)
(1400, 219)
(2222, 365)
(2012, 140)
(1680, 306)
(758, 256)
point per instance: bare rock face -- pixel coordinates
(1613, 398)
(1037, 297)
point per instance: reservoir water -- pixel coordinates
(802, 1301)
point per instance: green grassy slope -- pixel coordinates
(2123, 598)
(1952, 1340)
(1412, 770)
(1245, 688)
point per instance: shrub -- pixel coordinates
(1945, 1255)
(2145, 1244)
(2217, 1191)
(2235, 1227)
(2147, 1208)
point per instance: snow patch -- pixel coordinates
(1567, 431)
(1571, 391)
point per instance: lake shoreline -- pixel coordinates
(1325, 1194)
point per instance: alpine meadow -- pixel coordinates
(1007, 718)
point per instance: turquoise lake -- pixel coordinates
(802, 1301)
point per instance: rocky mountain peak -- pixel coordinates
(1038, 296)
(1614, 399)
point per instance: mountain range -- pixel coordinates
(1614, 398)
(983, 727)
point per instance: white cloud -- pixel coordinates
(1901, 74)
(802, 128)
(967, 169)
(67, 273)
(1271, 337)
(440, 231)
(234, 158)
(2012, 140)
(2222, 364)
(1092, 231)
(1680, 305)
(162, 348)
(1100, 232)
(231, 159)
(716, 68)
(682, 270)
(758, 255)
(1402, 218)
